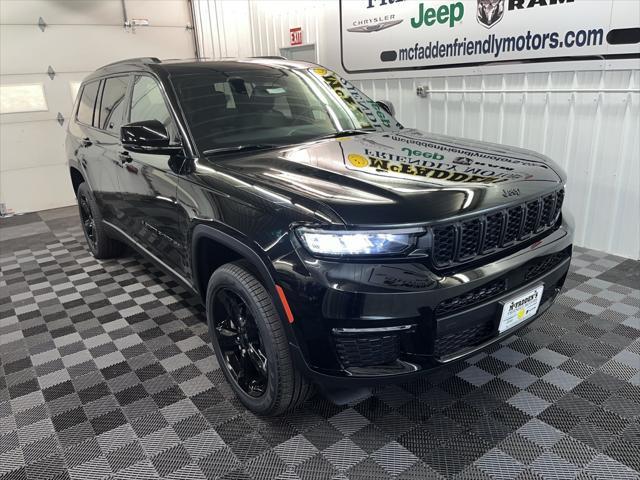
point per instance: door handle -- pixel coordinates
(85, 142)
(124, 157)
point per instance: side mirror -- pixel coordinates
(148, 136)
(387, 106)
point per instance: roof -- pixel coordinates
(174, 66)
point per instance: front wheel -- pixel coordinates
(250, 342)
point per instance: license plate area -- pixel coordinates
(520, 308)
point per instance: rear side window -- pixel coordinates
(112, 106)
(87, 102)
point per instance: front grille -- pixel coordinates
(493, 231)
(473, 297)
(444, 242)
(469, 239)
(469, 337)
(366, 351)
(558, 205)
(548, 209)
(531, 218)
(545, 264)
(514, 221)
(460, 242)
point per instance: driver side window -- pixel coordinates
(147, 103)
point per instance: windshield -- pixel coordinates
(273, 106)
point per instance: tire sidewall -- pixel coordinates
(267, 402)
(85, 191)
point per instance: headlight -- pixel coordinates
(336, 242)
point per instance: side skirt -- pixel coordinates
(122, 235)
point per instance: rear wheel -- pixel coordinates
(99, 243)
(250, 342)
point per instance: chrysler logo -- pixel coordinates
(374, 27)
(490, 12)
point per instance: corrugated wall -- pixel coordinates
(593, 134)
(223, 28)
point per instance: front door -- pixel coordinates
(147, 182)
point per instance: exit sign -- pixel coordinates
(295, 35)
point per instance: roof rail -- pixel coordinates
(137, 59)
(271, 57)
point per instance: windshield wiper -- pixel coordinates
(347, 132)
(238, 148)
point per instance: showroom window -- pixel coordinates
(147, 103)
(112, 104)
(87, 102)
(75, 88)
(22, 98)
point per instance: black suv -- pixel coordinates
(330, 245)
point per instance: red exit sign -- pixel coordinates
(295, 35)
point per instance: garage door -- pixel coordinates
(46, 49)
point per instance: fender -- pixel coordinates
(233, 243)
(249, 254)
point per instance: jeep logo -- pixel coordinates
(444, 14)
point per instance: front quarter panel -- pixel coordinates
(251, 214)
(252, 221)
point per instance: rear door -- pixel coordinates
(148, 183)
(97, 146)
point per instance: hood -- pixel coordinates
(401, 178)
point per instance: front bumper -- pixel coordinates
(363, 323)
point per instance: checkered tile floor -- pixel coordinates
(106, 372)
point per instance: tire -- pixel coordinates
(100, 244)
(285, 386)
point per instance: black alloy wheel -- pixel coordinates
(98, 240)
(88, 222)
(240, 342)
(250, 342)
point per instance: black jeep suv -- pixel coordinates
(330, 244)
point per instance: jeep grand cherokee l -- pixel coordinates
(329, 244)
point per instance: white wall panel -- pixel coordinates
(31, 144)
(60, 11)
(80, 36)
(84, 48)
(162, 13)
(92, 12)
(46, 187)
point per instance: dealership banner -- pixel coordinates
(392, 35)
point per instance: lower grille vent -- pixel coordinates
(473, 297)
(469, 337)
(545, 264)
(368, 350)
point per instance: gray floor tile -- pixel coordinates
(89, 388)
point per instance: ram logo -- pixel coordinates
(490, 12)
